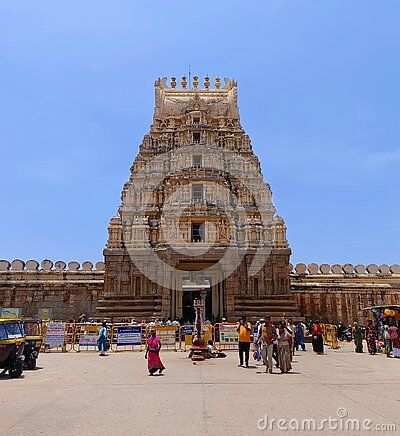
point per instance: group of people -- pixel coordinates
(271, 342)
(276, 343)
(388, 335)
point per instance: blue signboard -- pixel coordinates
(187, 330)
(129, 335)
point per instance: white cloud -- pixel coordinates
(380, 158)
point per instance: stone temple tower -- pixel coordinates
(195, 209)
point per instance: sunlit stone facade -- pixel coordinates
(195, 204)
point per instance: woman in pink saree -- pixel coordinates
(153, 353)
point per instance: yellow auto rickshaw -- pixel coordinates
(12, 339)
(33, 342)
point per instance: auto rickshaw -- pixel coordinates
(33, 342)
(12, 339)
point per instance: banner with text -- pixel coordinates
(55, 334)
(228, 334)
(129, 335)
(167, 334)
(89, 335)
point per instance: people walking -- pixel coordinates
(244, 330)
(284, 349)
(370, 333)
(266, 336)
(102, 339)
(257, 354)
(275, 355)
(299, 337)
(291, 330)
(394, 337)
(152, 355)
(357, 337)
(317, 338)
(387, 340)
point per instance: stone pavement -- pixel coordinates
(74, 394)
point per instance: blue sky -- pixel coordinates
(318, 94)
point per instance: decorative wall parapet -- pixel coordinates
(47, 265)
(194, 84)
(347, 269)
(301, 269)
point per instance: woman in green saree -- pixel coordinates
(358, 337)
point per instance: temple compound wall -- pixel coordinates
(328, 292)
(45, 289)
(340, 292)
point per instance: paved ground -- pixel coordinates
(84, 394)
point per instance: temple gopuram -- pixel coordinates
(196, 213)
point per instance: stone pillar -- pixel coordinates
(231, 289)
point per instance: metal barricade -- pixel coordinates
(127, 337)
(186, 335)
(209, 333)
(44, 329)
(85, 337)
(69, 336)
(55, 336)
(330, 336)
(167, 335)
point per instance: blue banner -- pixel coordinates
(187, 330)
(129, 335)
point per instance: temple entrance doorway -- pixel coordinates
(182, 301)
(188, 313)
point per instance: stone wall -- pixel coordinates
(328, 292)
(67, 290)
(340, 292)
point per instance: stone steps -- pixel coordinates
(265, 310)
(130, 298)
(138, 315)
(257, 303)
(126, 306)
(123, 312)
(129, 302)
(272, 297)
(272, 305)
